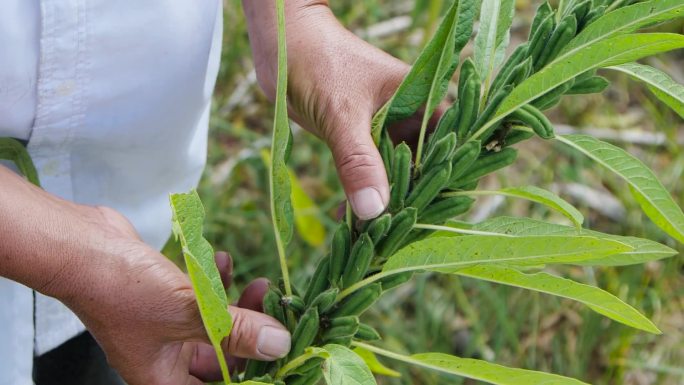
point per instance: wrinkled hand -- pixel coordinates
(142, 310)
(336, 84)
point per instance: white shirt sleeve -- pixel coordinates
(118, 115)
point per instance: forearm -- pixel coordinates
(43, 238)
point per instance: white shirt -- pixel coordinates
(113, 96)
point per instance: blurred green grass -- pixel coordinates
(470, 318)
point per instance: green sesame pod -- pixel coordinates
(592, 16)
(522, 72)
(401, 176)
(309, 378)
(344, 341)
(545, 130)
(444, 209)
(339, 253)
(273, 305)
(468, 69)
(553, 97)
(414, 236)
(341, 327)
(401, 225)
(517, 136)
(429, 186)
(367, 333)
(492, 106)
(488, 164)
(463, 158)
(504, 75)
(310, 365)
(305, 333)
(319, 281)
(394, 280)
(566, 31)
(386, 148)
(255, 369)
(581, 10)
(359, 260)
(358, 302)
(530, 116)
(379, 227)
(543, 12)
(592, 85)
(441, 152)
(468, 104)
(294, 303)
(446, 125)
(540, 39)
(325, 301)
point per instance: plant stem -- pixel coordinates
(295, 363)
(383, 352)
(458, 230)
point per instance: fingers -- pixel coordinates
(252, 297)
(360, 168)
(256, 336)
(224, 262)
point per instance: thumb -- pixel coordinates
(360, 168)
(256, 336)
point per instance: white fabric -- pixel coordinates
(114, 99)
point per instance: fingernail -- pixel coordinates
(367, 203)
(273, 343)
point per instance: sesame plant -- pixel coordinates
(500, 102)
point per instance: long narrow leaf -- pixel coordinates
(188, 218)
(475, 369)
(414, 91)
(493, 36)
(651, 195)
(624, 20)
(598, 300)
(614, 51)
(661, 84)
(281, 205)
(644, 250)
(448, 254)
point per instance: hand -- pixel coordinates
(142, 310)
(336, 84)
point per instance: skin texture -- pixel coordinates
(139, 306)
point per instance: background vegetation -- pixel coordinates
(445, 313)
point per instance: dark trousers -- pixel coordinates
(79, 361)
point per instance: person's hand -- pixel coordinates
(336, 84)
(142, 310)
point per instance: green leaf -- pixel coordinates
(14, 151)
(344, 367)
(622, 21)
(493, 37)
(541, 196)
(661, 84)
(281, 206)
(488, 372)
(644, 250)
(475, 369)
(614, 51)
(651, 195)
(188, 219)
(598, 300)
(306, 212)
(374, 364)
(253, 383)
(449, 254)
(426, 77)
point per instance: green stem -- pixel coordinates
(365, 282)
(295, 363)
(457, 230)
